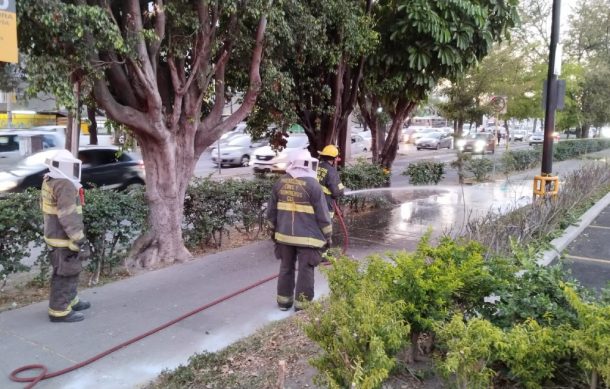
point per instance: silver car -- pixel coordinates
(236, 152)
(433, 140)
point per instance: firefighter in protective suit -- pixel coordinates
(301, 227)
(64, 234)
(328, 176)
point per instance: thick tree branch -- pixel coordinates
(160, 19)
(132, 118)
(211, 129)
(142, 66)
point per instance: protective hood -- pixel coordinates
(63, 165)
(302, 164)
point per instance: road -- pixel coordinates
(407, 154)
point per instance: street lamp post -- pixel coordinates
(546, 183)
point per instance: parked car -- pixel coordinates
(433, 140)
(359, 144)
(237, 151)
(367, 139)
(103, 167)
(268, 160)
(480, 142)
(16, 144)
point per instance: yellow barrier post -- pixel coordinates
(546, 186)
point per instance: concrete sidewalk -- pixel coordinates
(127, 308)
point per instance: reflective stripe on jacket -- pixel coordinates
(298, 212)
(62, 210)
(330, 181)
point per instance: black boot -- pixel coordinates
(69, 318)
(81, 305)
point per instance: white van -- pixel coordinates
(17, 144)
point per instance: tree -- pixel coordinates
(160, 68)
(422, 42)
(314, 63)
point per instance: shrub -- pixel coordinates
(590, 341)
(519, 160)
(575, 148)
(470, 350)
(363, 175)
(208, 210)
(532, 352)
(425, 172)
(251, 196)
(112, 221)
(359, 332)
(479, 167)
(21, 228)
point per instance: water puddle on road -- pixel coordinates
(441, 209)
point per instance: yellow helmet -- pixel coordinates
(330, 151)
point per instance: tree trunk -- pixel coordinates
(390, 148)
(585, 131)
(93, 125)
(166, 186)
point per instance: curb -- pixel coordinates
(572, 232)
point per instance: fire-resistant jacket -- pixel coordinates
(331, 183)
(63, 213)
(298, 213)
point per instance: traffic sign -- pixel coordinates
(498, 104)
(8, 31)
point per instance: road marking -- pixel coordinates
(600, 227)
(589, 259)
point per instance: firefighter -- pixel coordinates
(301, 227)
(328, 176)
(64, 234)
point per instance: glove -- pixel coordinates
(329, 242)
(84, 252)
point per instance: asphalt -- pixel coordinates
(124, 309)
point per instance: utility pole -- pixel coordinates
(546, 183)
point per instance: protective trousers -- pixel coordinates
(308, 258)
(64, 281)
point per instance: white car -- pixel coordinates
(359, 144)
(268, 160)
(434, 140)
(16, 144)
(237, 151)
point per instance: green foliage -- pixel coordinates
(362, 175)
(113, 220)
(425, 172)
(211, 207)
(518, 160)
(432, 280)
(470, 350)
(20, 229)
(568, 149)
(479, 168)
(359, 332)
(590, 341)
(535, 293)
(532, 351)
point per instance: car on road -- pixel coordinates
(479, 142)
(434, 140)
(237, 151)
(537, 138)
(419, 133)
(517, 135)
(367, 139)
(359, 144)
(268, 160)
(16, 144)
(104, 167)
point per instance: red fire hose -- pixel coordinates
(43, 373)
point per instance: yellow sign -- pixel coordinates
(8, 31)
